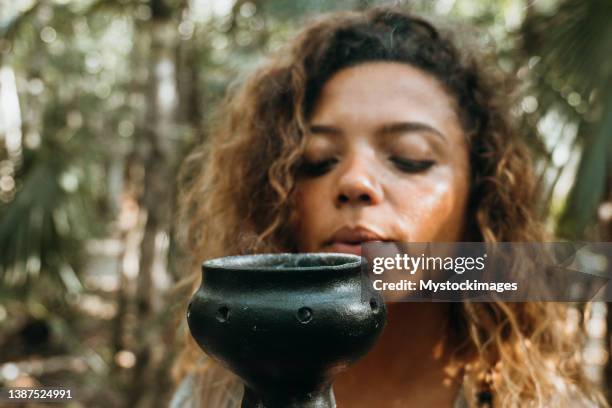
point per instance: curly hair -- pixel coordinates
(238, 189)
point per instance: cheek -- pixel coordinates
(306, 215)
(437, 209)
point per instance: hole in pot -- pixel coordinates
(223, 314)
(304, 314)
(374, 305)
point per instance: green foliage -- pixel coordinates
(573, 76)
(591, 180)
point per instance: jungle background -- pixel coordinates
(100, 100)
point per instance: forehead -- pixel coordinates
(376, 91)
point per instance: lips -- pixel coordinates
(350, 239)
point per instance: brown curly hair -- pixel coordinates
(238, 189)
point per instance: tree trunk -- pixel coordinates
(606, 227)
(155, 151)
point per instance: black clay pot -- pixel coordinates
(286, 324)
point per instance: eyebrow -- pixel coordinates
(387, 129)
(409, 127)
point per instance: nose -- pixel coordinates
(358, 185)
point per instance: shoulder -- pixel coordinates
(184, 393)
(209, 386)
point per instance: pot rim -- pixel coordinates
(261, 262)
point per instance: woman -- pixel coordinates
(374, 126)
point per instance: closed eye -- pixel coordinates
(316, 168)
(412, 166)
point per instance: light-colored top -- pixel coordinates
(216, 387)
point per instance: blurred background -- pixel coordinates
(100, 100)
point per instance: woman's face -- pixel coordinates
(386, 160)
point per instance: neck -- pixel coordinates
(417, 333)
(413, 354)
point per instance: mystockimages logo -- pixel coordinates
(479, 271)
